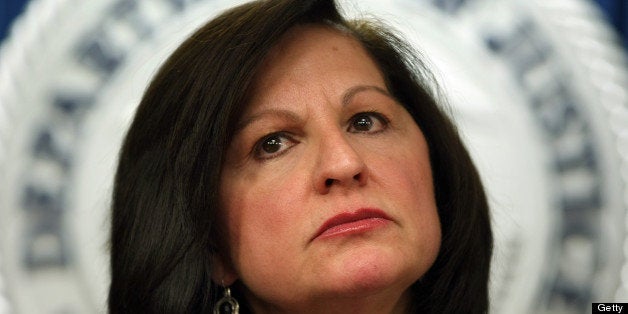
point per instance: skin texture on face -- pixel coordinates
(321, 138)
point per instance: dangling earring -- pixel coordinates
(227, 305)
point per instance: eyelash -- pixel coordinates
(258, 148)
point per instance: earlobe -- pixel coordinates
(222, 272)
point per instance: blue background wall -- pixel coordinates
(9, 9)
(615, 10)
(617, 13)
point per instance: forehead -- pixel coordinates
(314, 55)
(301, 39)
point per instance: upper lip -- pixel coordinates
(347, 217)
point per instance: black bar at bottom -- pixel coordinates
(597, 308)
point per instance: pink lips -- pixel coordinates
(351, 223)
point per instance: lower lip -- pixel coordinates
(354, 227)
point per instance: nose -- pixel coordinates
(339, 165)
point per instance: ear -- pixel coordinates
(222, 272)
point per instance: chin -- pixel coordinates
(370, 271)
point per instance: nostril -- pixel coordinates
(357, 177)
(329, 182)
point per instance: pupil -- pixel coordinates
(271, 145)
(363, 123)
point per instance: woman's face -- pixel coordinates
(327, 188)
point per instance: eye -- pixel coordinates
(273, 145)
(367, 122)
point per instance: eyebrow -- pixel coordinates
(346, 97)
(289, 115)
(285, 114)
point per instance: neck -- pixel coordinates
(384, 302)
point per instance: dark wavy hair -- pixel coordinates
(165, 216)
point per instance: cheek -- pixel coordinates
(407, 171)
(407, 177)
(260, 218)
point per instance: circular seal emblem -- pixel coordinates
(538, 89)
